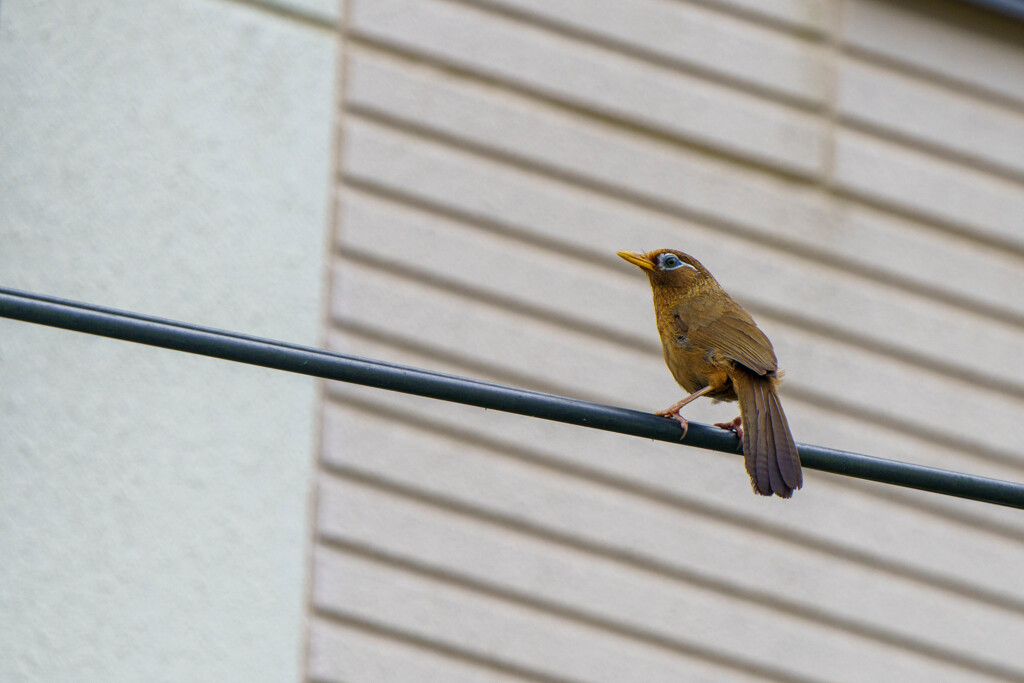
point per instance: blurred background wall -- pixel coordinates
(851, 171)
(170, 157)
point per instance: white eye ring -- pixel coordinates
(671, 262)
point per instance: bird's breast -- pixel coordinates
(694, 366)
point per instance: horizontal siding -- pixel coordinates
(552, 369)
(971, 200)
(551, 357)
(723, 197)
(692, 38)
(588, 150)
(685, 544)
(556, 649)
(961, 49)
(827, 297)
(460, 325)
(588, 586)
(664, 469)
(858, 191)
(349, 651)
(579, 74)
(925, 113)
(811, 16)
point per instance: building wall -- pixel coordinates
(851, 171)
(170, 157)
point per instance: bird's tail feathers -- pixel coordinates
(769, 451)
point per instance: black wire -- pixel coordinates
(170, 334)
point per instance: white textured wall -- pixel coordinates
(850, 170)
(170, 157)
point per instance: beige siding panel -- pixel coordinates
(979, 276)
(681, 541)
(536, 352)
(549, 357)
(575, 288)
(731, 475)
(692, 36)
(495, 628)
(717, 483)
(932, 114)
(978, 202)
(961, 53)
(595, 451)
(604, 589)
(343, 653)
(583, 287)
(528, 130)
(880, 385)
(612, 84)
(820, 425)
(814, 421)
(809, 15)
(830, 516)
(626, 163)
(495, 154)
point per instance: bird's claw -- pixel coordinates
(736, 427)
(674, 414)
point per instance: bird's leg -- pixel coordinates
(673, 410)
(736, 426)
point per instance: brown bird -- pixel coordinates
(714, 348)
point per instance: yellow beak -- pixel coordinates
(637, 259)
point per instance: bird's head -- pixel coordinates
(668, 268)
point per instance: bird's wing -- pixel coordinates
(735, 335)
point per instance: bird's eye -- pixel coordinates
(670, 262)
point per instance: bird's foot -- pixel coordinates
(673, 412)
(736, 427)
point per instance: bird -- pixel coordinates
(713, 348)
